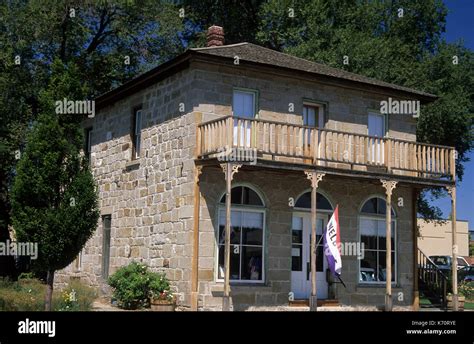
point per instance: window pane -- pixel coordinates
(368, 267)
(322, 202)
(252, 228)
(297, 223)
(309, 116)
(243, 195)
(305, 201)
(382, 234)
(381, 206)
(368, 233)
(370, 207)
(319, 255)
(251, 263)
(382, 266)
(138, 122)
(297, 237)
(376, 125)
(297, 258)
(235, 195)
(244, 104)
(250, 197)
(234, 262)
(236, 223)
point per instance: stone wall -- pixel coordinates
(347, 108)
(276, 189)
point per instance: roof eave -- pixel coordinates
(423, 97)
(144, 80)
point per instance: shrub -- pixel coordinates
(466, 289)
(134, 284)
(160, 288)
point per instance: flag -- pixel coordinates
(332, 244)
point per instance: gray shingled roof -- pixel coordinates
(257, 54)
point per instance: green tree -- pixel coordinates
(54, 198)
(240, 19)
(108, 42)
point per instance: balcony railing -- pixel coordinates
(324, 147)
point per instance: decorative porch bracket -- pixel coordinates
(389, 185)
(454, 265)
(315, 178)
(229, 170)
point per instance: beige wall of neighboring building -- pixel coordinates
(436, 238)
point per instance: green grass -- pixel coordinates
(29, 294)
(468, 305)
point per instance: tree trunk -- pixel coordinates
(49, 290)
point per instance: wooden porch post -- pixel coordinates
(416, 292)
(454, 265)
(195, 257)
(315, 178)
(229, 170)
(389, 185)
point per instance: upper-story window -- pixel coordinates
(313, 115)
(376, 125)
(244, 103)
(136, 133)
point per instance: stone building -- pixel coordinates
(271, 130)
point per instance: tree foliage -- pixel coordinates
(106, 44)
(54, 198)
(102, 45)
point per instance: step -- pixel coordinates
(321, 303)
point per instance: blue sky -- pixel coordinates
(459, 25)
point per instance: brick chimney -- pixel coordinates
(215, 36)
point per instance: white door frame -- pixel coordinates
(301, 280)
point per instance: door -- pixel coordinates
(376, 127)
(301, 257)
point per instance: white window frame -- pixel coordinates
(395, 245)
(247, 208)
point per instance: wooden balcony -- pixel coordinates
(327, 149)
